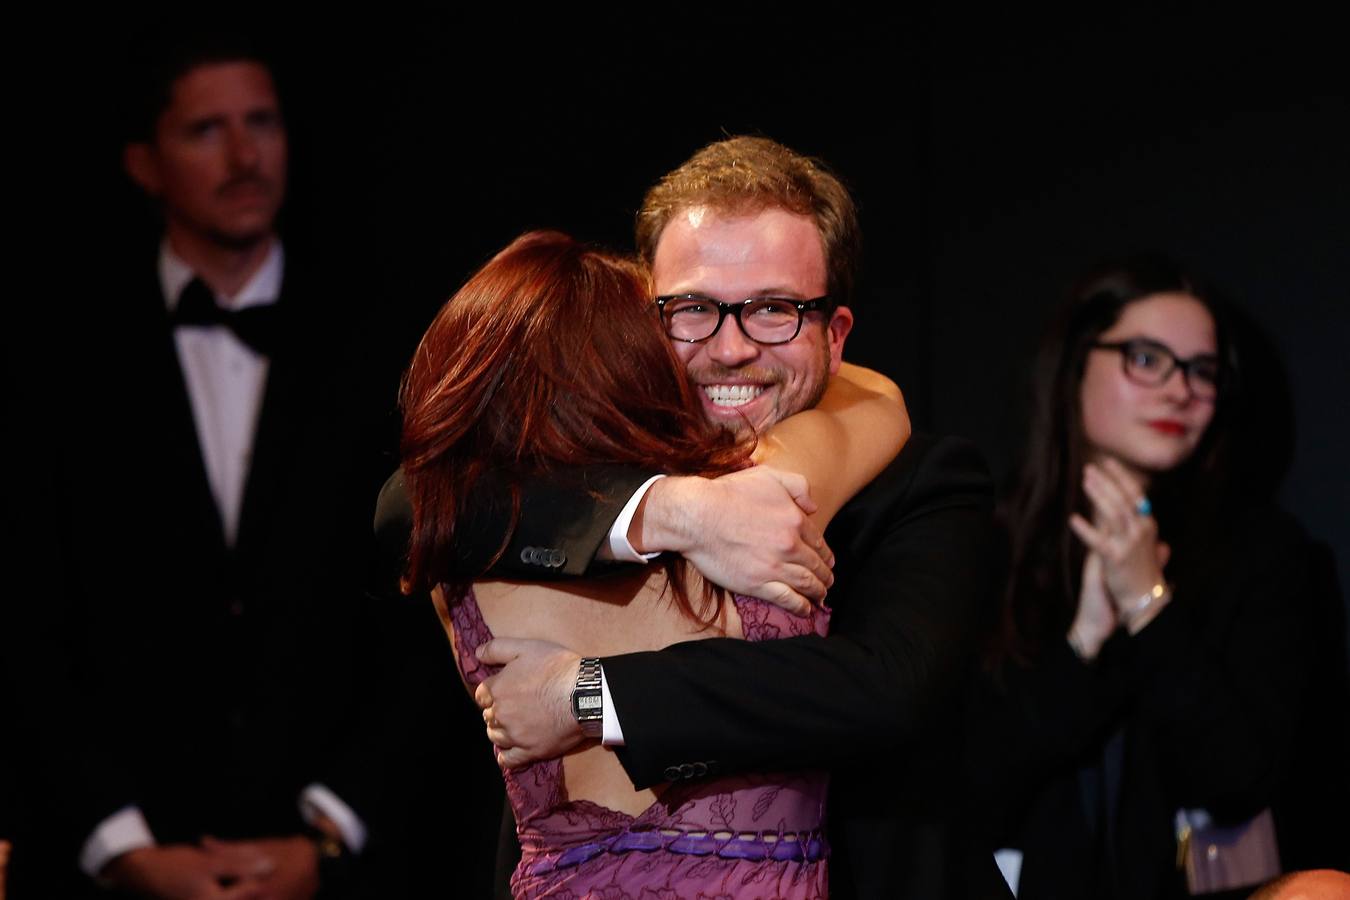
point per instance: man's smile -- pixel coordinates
(732, 394)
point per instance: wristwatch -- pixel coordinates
(588, 702)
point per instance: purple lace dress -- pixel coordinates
(733, 836)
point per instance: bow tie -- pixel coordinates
(256, 326)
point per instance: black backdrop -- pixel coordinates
(991, 157)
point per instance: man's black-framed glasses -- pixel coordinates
(1150, 363)
(765, 320)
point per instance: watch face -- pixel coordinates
(587, 705)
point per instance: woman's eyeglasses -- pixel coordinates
(1150, 363)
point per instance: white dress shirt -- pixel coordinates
(618, 547)
(225, 379)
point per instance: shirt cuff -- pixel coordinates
(317, 800)
(618, 547)
(122, 832)
(1009, 862)
(611, 734)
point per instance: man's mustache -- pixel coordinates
(247, 179)
(712, 373)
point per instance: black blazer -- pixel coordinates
(1233, 699)
(877, 701)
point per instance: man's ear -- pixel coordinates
(841, 323)
(138, 159)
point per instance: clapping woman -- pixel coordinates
(1149, 668)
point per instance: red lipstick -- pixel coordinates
(1168, 427)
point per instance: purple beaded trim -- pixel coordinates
(808, 846)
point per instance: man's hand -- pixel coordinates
(527, 706)
(184, 872)
(749, 532)
(286, 868)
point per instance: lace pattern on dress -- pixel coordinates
(739, 835)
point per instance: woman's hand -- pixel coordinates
(1097, 616)
(1132, 557)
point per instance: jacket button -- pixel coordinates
(700, 769)
(672, 773)
(686, 771)
(556, 558)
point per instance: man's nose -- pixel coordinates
(243, 147)
(730, 346)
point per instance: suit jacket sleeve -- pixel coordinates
(568, 514)
(911, 575)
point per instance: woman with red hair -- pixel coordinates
(552, 357)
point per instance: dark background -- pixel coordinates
(992, 159)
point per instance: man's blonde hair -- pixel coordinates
(747, 175)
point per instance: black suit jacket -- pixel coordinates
(211, 683)
(878, 701)
(1233, 699)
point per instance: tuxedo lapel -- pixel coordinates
(170, 430)
(303, 435)
(276, 440)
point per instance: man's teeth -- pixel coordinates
(732, 394)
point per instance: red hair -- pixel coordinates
(550, 356)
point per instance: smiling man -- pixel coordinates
(754, 253)
(770, 365)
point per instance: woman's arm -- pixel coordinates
(843, 442)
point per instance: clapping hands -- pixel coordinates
(1123, 570)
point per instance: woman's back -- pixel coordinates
(600, 617)
(581, 823)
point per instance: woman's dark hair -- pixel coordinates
(550, 356)
(1041, 595)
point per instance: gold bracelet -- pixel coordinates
(1154, 593)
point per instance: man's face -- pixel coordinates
(218, 157)
(773, 253)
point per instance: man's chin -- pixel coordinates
(755, 415)
(241, 238)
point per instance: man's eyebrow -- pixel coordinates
(778, 292)
(205, 121)
(254, 114)
(785, 293)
